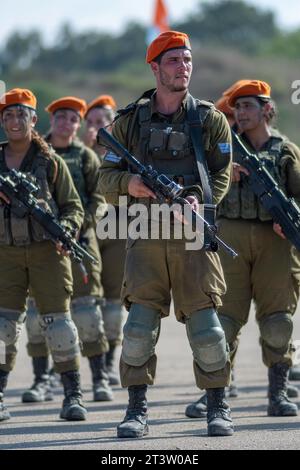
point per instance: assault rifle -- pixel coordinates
(21, 191)
(283, 209)
(166, 190)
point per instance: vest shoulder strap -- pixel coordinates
(196, 114)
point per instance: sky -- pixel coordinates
(112, 15)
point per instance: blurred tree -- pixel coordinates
(21, 49)
(284, 44)
(230, 23)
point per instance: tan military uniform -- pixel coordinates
(155, 267)
(29, 259)
(83, 165)
(112, 252)
(265, 270)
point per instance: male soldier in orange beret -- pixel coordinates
(157, 129)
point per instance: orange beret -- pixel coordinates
(165, 41)
(68, 102)
(222, 105)
(250, 88)
(19, 96)
(100, 101)
(231, 89)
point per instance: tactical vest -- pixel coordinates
(22, 231)
(74, 158)
(241, 202)
(167, 146)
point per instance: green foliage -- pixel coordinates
(231, 40)
(284, 44)
(231, 23)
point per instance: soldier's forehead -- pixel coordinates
(246, 99)
(178, 53)
(16, 107)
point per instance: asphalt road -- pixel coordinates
(39, 427)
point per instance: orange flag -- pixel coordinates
(160, 22)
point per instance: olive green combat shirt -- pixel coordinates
(62, 189)
(114, 178)
(90, 170)
(289, 165)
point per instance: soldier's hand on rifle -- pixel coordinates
(60, 250)
(5, 198)
(237, 169)
(193, 202)
(277, 229)
(137, 188)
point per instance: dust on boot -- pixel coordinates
(198, 409)
(72, 408)
(219, 422)
(41, 388)
(135, 424)
(101, 388)
(113, 375)
(279, 404)
(4, 413)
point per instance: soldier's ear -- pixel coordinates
(34, 120)
(267, 109)
(154, 67)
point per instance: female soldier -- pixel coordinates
(100, 113)
(29, 258)
(266, 269)
(66, 114)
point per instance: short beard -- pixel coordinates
(170, 87)
(176, 89)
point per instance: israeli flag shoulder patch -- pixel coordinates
(225, 147)
(112, 157)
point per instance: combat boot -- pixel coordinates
(232, 390)
(101, 388)
(292, 391)
(113, 376)
(4, 413)
(41, 388)
(219, 422)
(72, 409)
(294, 373)
(279, 404)
(54, 378)
(198, 409)
(135, 424)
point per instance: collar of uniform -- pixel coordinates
(27, 161)
(265, 146)
(173, 117)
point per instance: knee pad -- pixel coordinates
(140, 334)
(34, 329)
(61, 335)
(113, 314)
(207, 340)
(230, 326)
(276, 329)
(87, 317)
(11, 324)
